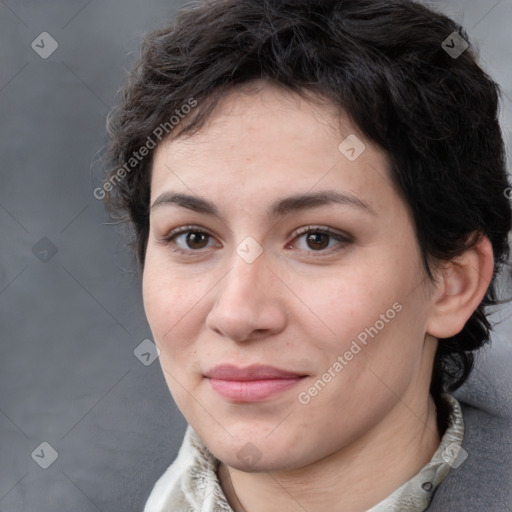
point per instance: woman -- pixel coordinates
(318, 197)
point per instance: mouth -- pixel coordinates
(252, 383)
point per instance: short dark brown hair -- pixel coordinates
(383, 63)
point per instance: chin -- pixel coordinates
(248, 452)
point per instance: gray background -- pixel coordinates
(70, 321)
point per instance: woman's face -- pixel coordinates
(339, 315)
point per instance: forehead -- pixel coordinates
(265, 139)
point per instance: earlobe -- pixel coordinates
(462, 286)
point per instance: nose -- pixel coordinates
(249, 302)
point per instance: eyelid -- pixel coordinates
(343, 238)
(295, 233)
(322, 229)
(166, 239)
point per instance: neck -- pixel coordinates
(357, 477)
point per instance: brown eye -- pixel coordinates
(196, 239)
(318, 241)
(188, 239)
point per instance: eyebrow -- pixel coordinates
(278, 208)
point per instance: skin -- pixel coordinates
(299, 305)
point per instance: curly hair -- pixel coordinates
(386, 64)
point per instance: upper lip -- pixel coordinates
(253, 372)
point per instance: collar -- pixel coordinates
(191, 482)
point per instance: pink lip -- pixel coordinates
(252, 383)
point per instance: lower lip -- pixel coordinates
(252, 390)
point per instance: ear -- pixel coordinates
(461, 287)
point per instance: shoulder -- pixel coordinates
(483, 481)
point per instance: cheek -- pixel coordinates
(158, 299)
(171, 309)
(168, 301)
(353, 300)
(367, 315)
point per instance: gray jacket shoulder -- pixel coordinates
(484, 480)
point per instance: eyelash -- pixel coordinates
(344, 240)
